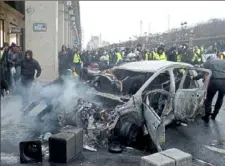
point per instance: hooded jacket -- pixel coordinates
(28, 67)
(63, 59)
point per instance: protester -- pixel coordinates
(216, 84)
(28, 67)
(63, 60)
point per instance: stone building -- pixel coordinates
(43, 27)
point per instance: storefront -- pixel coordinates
(11, 25)
(14, 34)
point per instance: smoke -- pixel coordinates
(61, 95)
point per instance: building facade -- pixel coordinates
(43, 27)
(12, 22)
(94, 43)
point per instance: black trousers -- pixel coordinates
(77, 66)
(215, 85)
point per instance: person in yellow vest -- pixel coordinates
(77, 61)
(160, 54)
(179, 58)
(146, 55)
(149, 55)
(222, 55)
(197, 58)
(119, 58)
(1, 53)
(107, 56)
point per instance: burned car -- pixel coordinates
(150, 96)
(140, 99)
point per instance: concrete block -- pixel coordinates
(78, 133)
(181, 158)
(157, 159)
(62, 148)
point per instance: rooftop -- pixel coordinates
(149, 66)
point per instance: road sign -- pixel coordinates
(75, 42)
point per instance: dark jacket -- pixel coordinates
(63, 61)
(4, 60)
(13, 59)
(171, 54)
(187, 56)
(70, 56)
(28, 68)
(217, 67)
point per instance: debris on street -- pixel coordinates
(92, 118)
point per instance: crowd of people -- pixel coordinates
(210, 56)
(176, 53)
(18, 68)
(18, 71)
(78, 61)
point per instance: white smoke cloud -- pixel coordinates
(16, 127)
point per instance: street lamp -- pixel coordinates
(183, 25)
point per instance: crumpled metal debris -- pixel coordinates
(93, 119)
(44, 138)
(86, 147)
(45, 151)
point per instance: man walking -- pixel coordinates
(28, 67)
(63, 60)
(216, 84)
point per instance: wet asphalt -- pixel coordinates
(205, 142)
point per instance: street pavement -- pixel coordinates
(206, 142)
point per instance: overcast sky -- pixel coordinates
(119, 20)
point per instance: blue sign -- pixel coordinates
(75, 42)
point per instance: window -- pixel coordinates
(178, 75)
(162, 81)
(131, 81)
(183, 73)
(158, 100)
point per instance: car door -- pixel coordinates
(188, 101)
(154, 123)
(155, 126)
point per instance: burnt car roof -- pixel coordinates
(149, 66)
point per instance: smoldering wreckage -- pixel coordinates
(117, 111)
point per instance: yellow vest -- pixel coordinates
(198, 52)
(197, 56)
(75, 73)
(146, 56)
(151, 55)
(119, 57)
(160, 57)
(179, 58)
(223, 55)
(107, 58)
(1, 53)
(76, 58)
